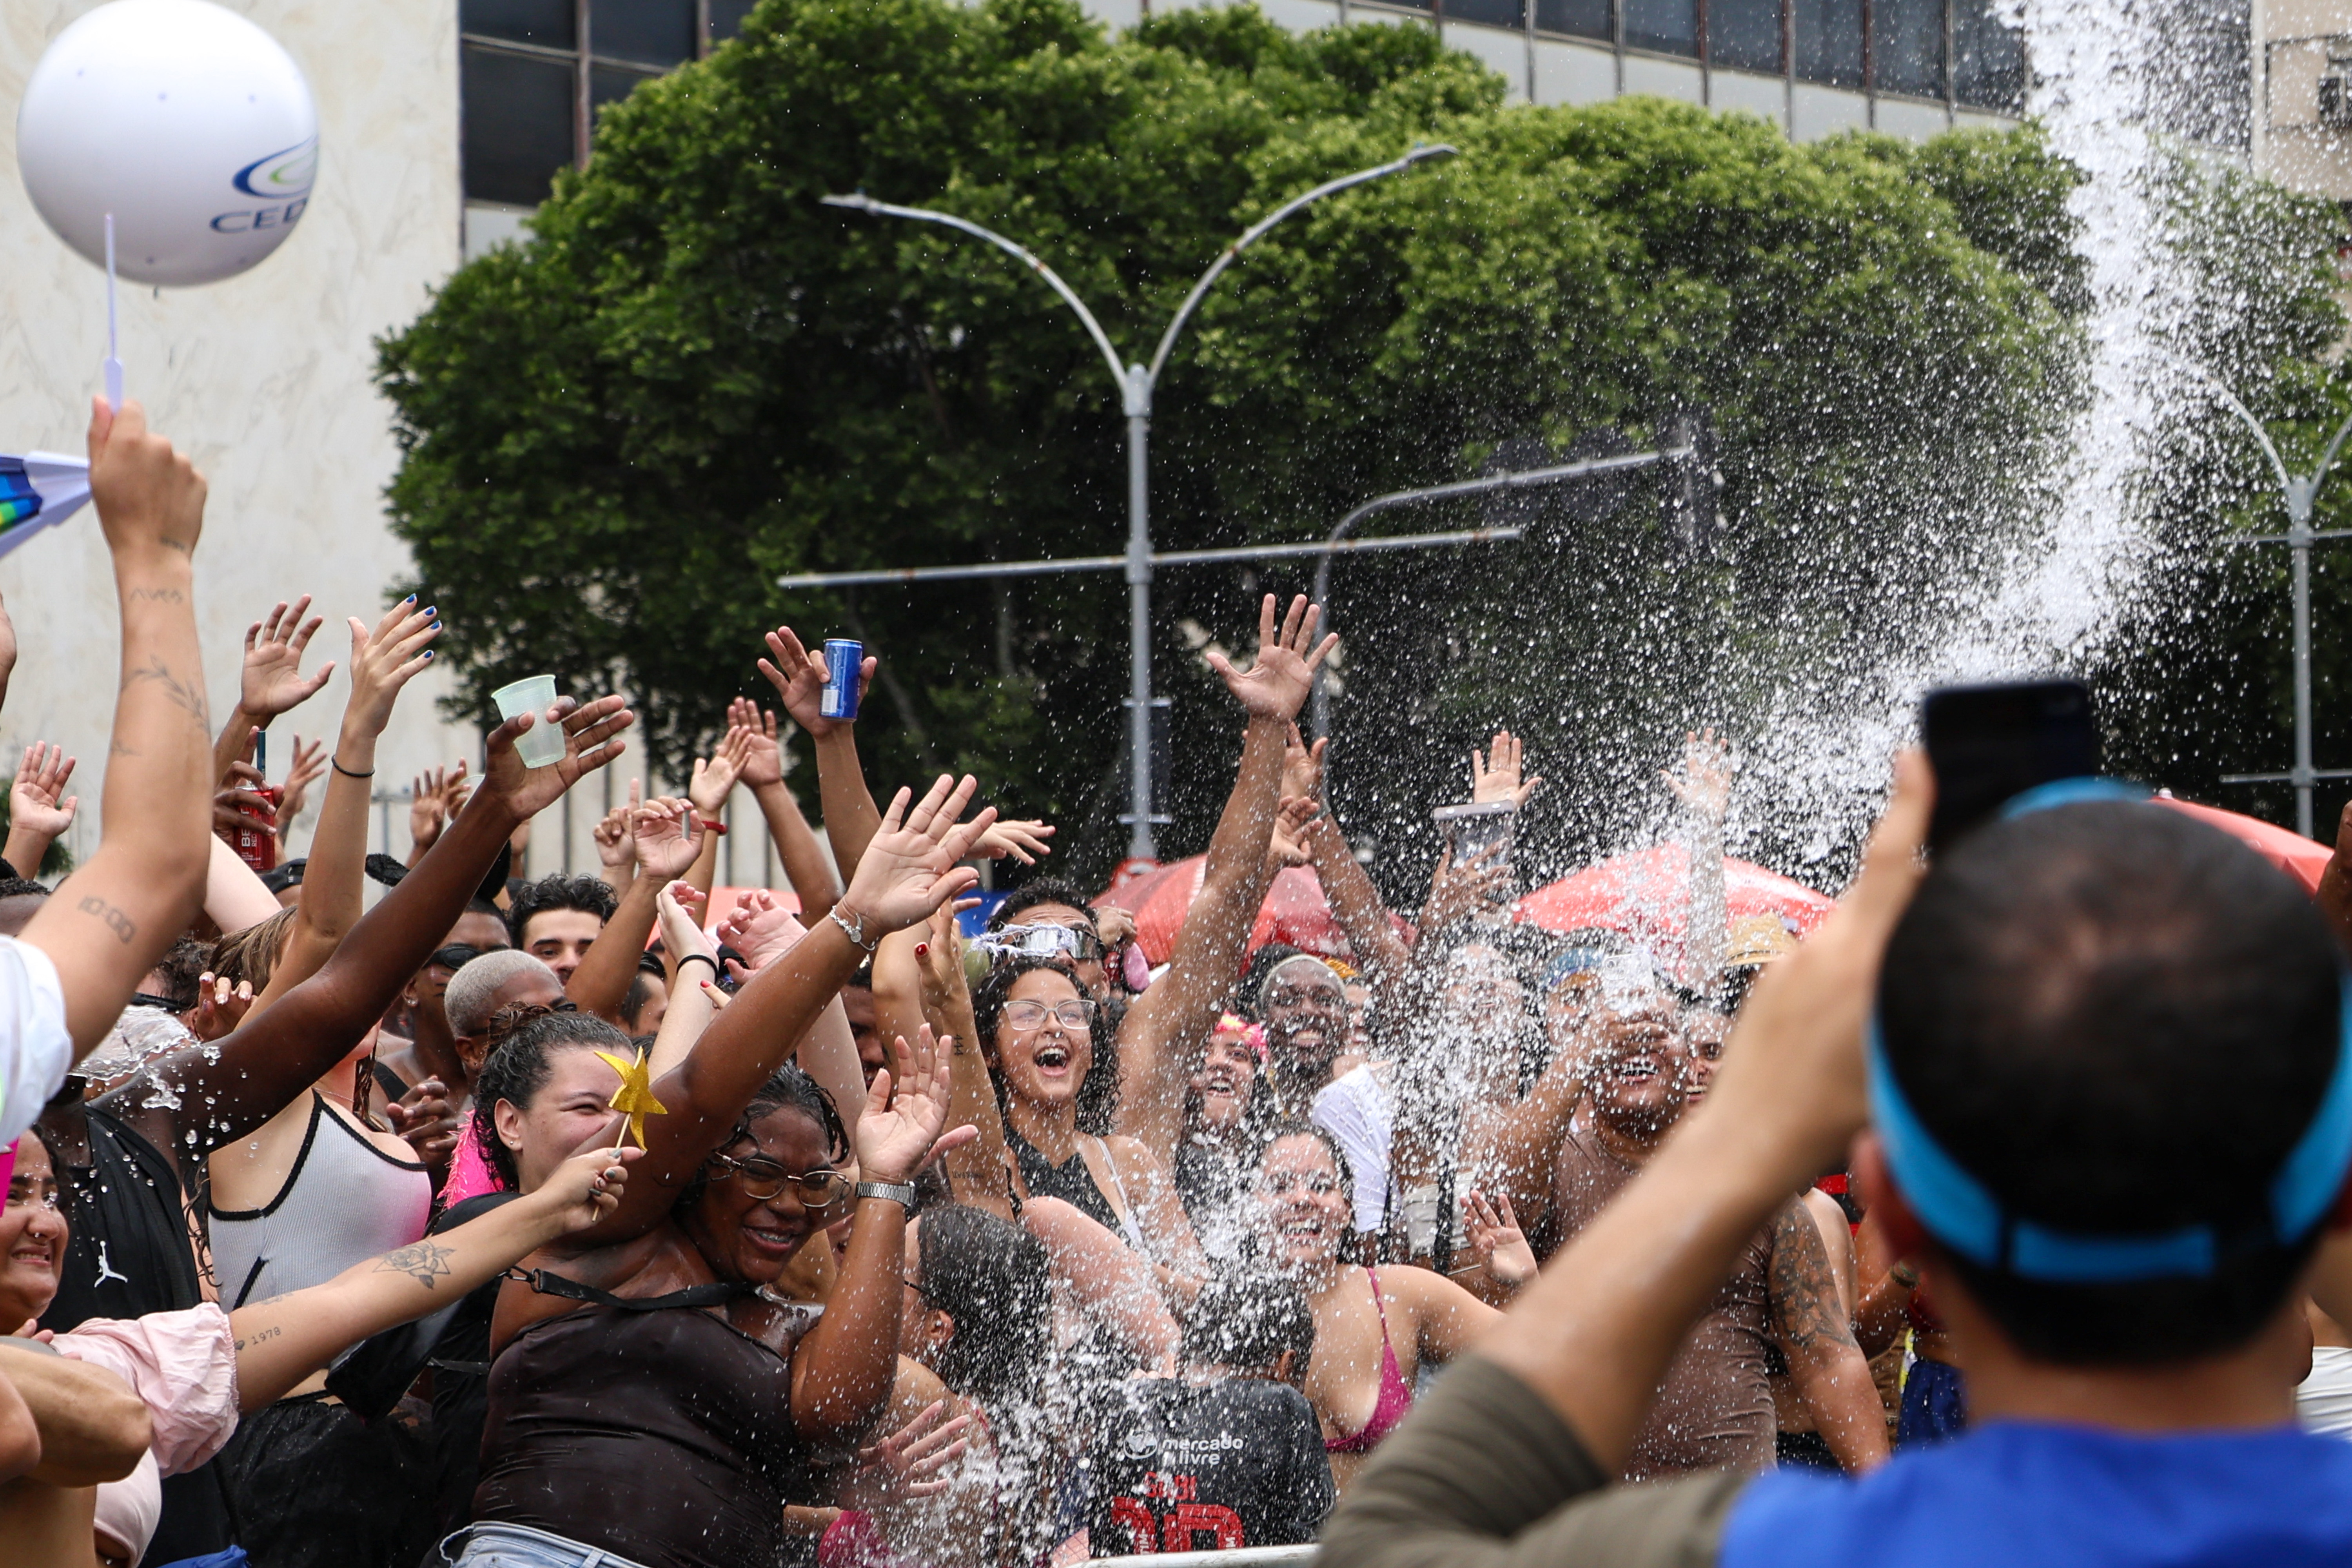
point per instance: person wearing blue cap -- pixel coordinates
(2099, 1061)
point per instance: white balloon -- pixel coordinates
(186, 122)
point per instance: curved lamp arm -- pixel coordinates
(2229, 400)
(863, 203)
(1250, 235)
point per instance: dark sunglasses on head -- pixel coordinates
(763, 1179)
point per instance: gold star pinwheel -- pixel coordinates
(635, 1095)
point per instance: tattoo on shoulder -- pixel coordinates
(1802, 1287)
(121, 924)
(424, 1262)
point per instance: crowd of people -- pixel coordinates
(519, 1222)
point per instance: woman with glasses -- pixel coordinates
(648, 1402)
(1055, 1068)
(1374, 1328)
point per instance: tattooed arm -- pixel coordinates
(1809, 1320)
(284, 1340)
(111, 920)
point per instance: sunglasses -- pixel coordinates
(763, 1179)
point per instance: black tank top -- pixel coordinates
(1070, 1181)
(663, 1436)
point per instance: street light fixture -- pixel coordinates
(2301, 493)
(1136, 385)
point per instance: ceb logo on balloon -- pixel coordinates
(189, 123)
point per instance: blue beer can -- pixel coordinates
(843, 661)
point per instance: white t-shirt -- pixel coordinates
(36, 1051)
(1355, 1109)
(2323, 1401)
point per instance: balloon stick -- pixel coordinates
(113, 358)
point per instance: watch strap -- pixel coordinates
(899, 1192)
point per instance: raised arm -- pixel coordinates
(667, 841)
(1180, 1007)
(909, 869)
(111, 920)
(39, 810)
(226, 1090)
(284, 1340)
(918, 979)
(271, 681)
(1704, 787)
(798, 675)
(383, 661)
(805, 867)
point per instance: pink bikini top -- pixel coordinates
(1396, 1393)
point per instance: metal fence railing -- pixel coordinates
(1239, 1557)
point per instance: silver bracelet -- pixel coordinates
(857, 933)
(899, 1192)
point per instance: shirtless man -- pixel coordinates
(1714, 1407)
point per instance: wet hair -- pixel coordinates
(180, 968)
(468, 997)
(1039, 890)
(590, 895)
(1099, 1091)
(990, 1276)
(519, 1067)
(252, 954)
(786, 1088)
(1244, 1319)
(2060, 1004)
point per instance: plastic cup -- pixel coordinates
(543, 743)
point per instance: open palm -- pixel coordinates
(1279, 679)
(910, 868)
(905, 1109)
(590, 741)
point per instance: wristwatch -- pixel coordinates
(899, 1192)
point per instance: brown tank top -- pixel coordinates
(663, 1436)
(1714, 1409)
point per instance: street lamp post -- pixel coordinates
(2301, 493)
(1136, 384)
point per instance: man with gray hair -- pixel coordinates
(484, 986)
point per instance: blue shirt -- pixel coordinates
(2020, 1495)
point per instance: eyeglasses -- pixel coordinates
(762, 1179)
(1074, 1014)
(1043, 941)
(1320, 996)
(1282, 1183)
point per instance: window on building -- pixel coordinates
(1744, 34)
(1576, 19)
(1906, 47)
(1827, 36)
(1669, 26)
(1988, 58)
(534, 73)
(1493, 13)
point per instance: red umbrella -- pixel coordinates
(1295, 911)
(1646, 895)
(2298, 856)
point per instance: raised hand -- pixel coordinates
(910, 868)
(455, 789)
(1496, 1241)
(678, 910)
(591, 740)
(428, 812)
(219, 1009)
(385, 660)
(906, 1106)
(34, 802)
(1496, 776)
(617, 851)
(1287, 848)
(1278, 681)
(272, 681)
(713, 782)
(760, 755)
(1302, 765)
(149, 497)
(1705, 782)
(1025, 841)
(1470, 888)
(761, 929)
(666, 836)
(798, 676)
(426, 1120)
(308, 767)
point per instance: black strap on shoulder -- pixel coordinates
(711, 1295)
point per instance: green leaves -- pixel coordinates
(696, 378)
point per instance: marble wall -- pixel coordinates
(264, 380)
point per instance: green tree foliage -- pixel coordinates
(695, 378)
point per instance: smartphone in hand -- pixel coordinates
(1989, 743)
